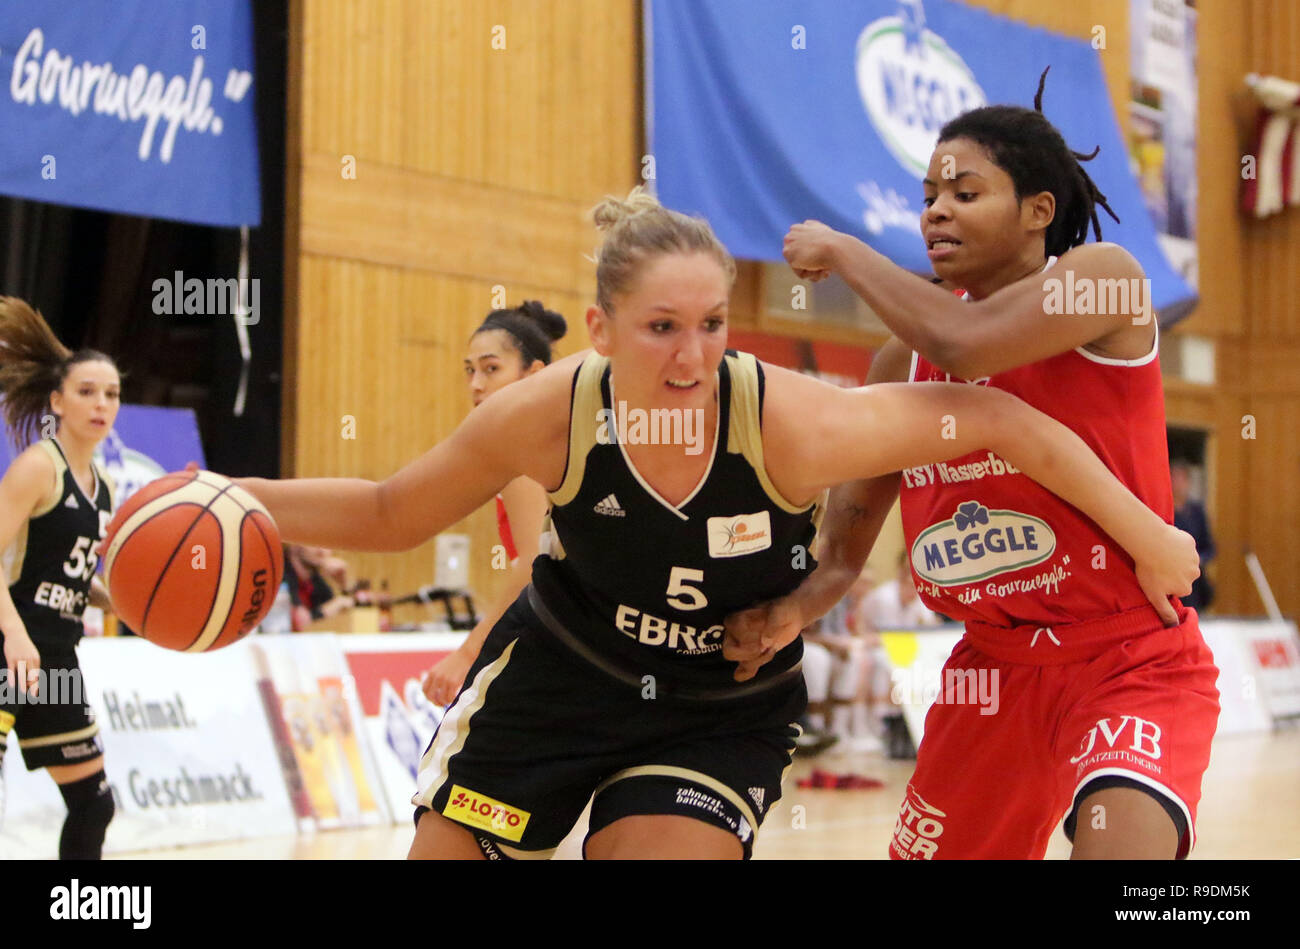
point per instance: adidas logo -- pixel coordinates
(757, 795)
(610, 507)
(71, 501)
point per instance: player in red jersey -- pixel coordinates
(557, 709)
(509, 345)
(1105, 705)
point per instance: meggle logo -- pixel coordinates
(912, 82)
(977, 543)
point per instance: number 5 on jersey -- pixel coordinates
(682, 596)
(81, 562)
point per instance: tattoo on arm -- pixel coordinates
(856, 513)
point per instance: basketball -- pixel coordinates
(192, 561)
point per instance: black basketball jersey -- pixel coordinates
(51, 562)
(648, 584)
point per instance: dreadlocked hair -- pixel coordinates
(1024, 144)
(33, 363)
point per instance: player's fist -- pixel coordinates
(23, 662)
(755, 635)
(809, 248)
(1168, 569)
(443, 681)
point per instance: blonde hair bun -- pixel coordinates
(612, 210)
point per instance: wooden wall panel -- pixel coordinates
(474, 168)
(416, 84)
(1260, 36)
(1271, 246)
(1273, 519)
(402, 218)
(397, 374)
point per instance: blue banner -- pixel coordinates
(145, 443)
(764, 114)
(133, 106)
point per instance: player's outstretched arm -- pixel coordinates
(856, 433)
(1020, 324)
(521, 430)
(854, 515)
(99, 596)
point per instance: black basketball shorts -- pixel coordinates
(58, 725)
(536, 731)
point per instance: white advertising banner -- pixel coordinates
(1241, 705)
(187, 751)
(399, 720)
(1259, 672)
(1273, 649)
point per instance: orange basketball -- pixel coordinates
(192, 561)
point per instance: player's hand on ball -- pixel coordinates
(24, 662)
(1168, 570)
(755, 635)
(808, 248)
(443, 681)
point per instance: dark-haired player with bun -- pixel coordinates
(1107, 705)
(510, 345)
(606, 680)
(55, 503)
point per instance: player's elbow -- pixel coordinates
(957, 355)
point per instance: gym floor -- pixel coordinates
(1250, 809)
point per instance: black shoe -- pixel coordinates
(813, 742)
(897, 738)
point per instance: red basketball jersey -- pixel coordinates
(988, 543)
(507, 538)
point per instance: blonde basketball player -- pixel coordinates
(684, 482)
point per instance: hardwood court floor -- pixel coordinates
(1250, 809)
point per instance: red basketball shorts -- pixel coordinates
(1031, 718)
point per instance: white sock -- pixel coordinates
(840, 715)
(817, 721)
(862, 723)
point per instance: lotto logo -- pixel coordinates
(918, 829)
(478, 810)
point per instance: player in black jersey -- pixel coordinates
(54, 506)
(684, 483)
